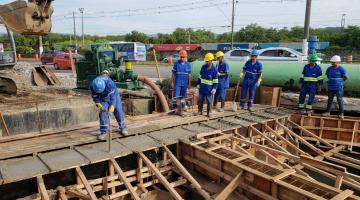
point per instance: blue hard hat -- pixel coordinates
(98, 85)
(254, 53)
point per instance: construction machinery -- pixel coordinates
(31, 17)
(102, 58)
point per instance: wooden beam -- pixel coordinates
(186, 174)
(62, 195)
(41, 188)
(320, 152)
(310, 133)
(111, 173)
(343, 195)
(226, 192)
(356, 126)
(161, 178)
(123, 179)
(85, 182)
(338, 181)
(76, 193)
(269, 139)
(4, 126)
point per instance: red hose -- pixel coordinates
(157, 90)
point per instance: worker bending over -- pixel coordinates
(107, 98)
(207, 84)
(180, 79)
(223, 73)
(311, 82)
(252, 76)
(336, 75)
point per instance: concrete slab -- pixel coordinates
(99, 152)
(252, 118)
(198, 128)
(63, 159)
(238, 121)
(172, 136)
(21, 169)
(221, 125)
(143, 129)
(139, 143)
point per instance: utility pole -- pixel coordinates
(189, 37)
(41, 48)
(307, 26)
(232, 24)
(75, 32)
(343, 21)
(82, 24)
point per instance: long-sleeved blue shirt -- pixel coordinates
(109, 95)
(181, 72)
(223, 80)
(252, 71)
(312, 76)
(336, 77)
(208, 79)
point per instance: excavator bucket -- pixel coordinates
(27, 18)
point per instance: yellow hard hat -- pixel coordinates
(219, 54)
(209, 57)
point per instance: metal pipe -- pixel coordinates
(157, 90)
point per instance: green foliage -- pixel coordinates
(348, 38)
(25, 50)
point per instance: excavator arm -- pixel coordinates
(31, 17)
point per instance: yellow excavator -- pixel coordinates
(32, 17)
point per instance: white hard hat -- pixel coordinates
(106, 72)
(335, 59)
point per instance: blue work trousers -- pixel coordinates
(203, 96)
(104, 116)
(180, 91)
(339, 95)
(307, 89)
(249, 84)
(221, 94)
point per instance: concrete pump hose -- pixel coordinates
(157, 90)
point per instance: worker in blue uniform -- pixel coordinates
(311, 82)
(337, 76)
(223, 73)
(180, 79)
(107, 98)
(207, 84)
(252, 77)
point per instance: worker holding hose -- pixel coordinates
(107, 98)
(207, 84)
(252, 77)
(337, 76)
(223, 73)
(311, 82)
(180, 79)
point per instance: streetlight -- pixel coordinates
(82, 24)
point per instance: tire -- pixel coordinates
(56, 67)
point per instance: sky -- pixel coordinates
(114, 17)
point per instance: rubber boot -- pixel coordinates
(208, 110)
(200, 108)
(215, 103)
(222, 106)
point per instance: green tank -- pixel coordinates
(287, 75)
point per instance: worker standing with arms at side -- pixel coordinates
(223, 73)
(180, 79)
(311, 82)
(107, 98)
(252, 77)
(336, 75)
(207, 84)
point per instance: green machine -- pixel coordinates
(101, 58)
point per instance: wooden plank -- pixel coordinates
(301, 139)
(310, 133)
(269, 139)
(226, 192)
(4, 126)
(284, 174)
(338, 181)
(62, 195)
(356, 126)
(75, 193)
(123, 178)
(186, 174)
(111, 173)
(84, 181)
(161, 178)
(42, 189)
(300, 191)
(343, 195)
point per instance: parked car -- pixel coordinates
(62, 61)
(175, 58)
(48, 57)
(281, 54)
(237, 54)
(6, 58)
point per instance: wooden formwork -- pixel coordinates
(273, 161)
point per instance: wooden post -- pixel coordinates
(4, 126)
(73, 67)
(157, 65)
(111, 173)
(123, 179)
(85, 182)
(42, 189)
(161, 178)
(230, 187)
(186, 174)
